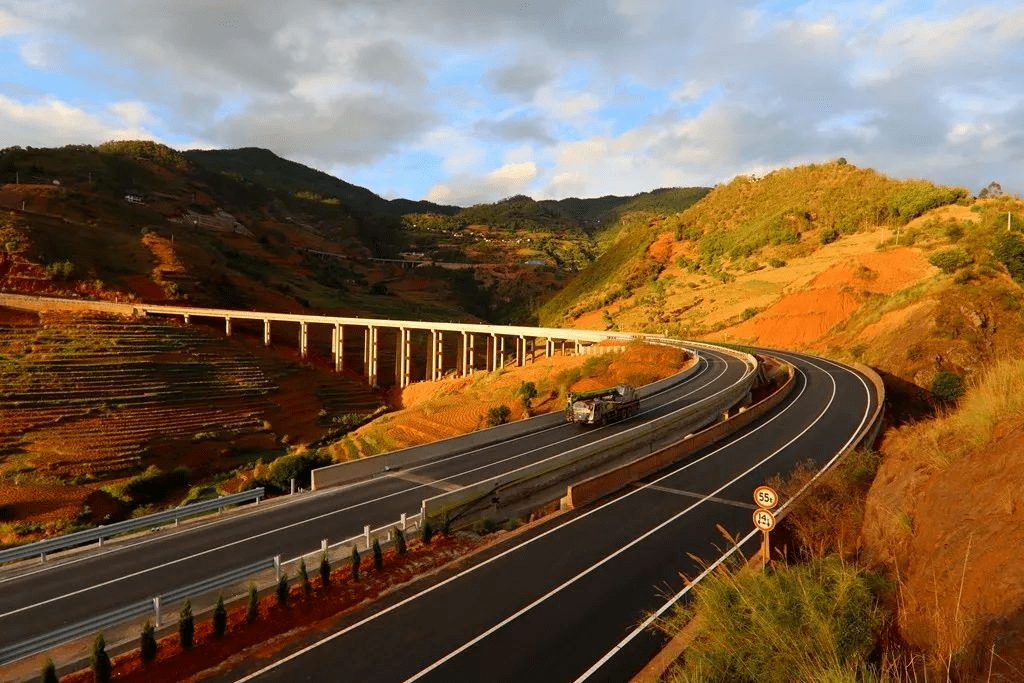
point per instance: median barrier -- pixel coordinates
(877, 420)
(485, 498)
(598, 486)
(364, 468)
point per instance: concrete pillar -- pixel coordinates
(339, 347)
(464, 356)
(374, 337)
(266, 332)
(472, 354)
(227, 326)
(501, 352)
(492, 353)
(533, 350)
(549, 347)
(303, 339)
(521, 351)
(366, 351)
(186, 316)
(402, 360)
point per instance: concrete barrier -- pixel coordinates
(589, 490)
(488, 498)
(364, 468)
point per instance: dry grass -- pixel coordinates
(996, 397)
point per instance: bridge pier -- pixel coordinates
(338, 341)
(303, 339)
(227, 326)
(266, 332)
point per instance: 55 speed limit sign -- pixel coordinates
(766, 497)
(764, 519)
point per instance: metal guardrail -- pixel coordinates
(50, 545)
(120, 615)
(10, 653)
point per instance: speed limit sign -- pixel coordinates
(766, 497)
(764, 519)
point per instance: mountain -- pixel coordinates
(265, 168)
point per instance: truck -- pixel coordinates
(601, 406)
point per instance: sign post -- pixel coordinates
(764, 519)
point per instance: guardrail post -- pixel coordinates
(99, 542)
(277, 567)
(42, 557)
(156, 612)
(366, 534)
(177, 521)
(402, 522)
(323, 546)
(293, 485)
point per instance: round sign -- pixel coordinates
(766, 497)
(764, 519)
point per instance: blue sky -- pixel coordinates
(467, 101)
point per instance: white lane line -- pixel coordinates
(700, 577)
(692, 494)
(294, 524)
(524, 544)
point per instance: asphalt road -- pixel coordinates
(562, 603)
(36, 600)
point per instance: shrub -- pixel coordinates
(355, 563)
(749, 313)
(498, 415)
(527, 391)
(220, 618)
(829, 235)
(513, 524)
(776, 262)
(446, 524)
(49, 673)
(484, 526)
(950, 260)
(307, 588)
(426, 533)
(63, 270)
(147, 642)
(1009, 249)
(297, 466)
(325, 571)
(282, 589)
(378, 556)
(947, 386)
(186, 626)
(99, 660)
(252, 609)
(400, 541)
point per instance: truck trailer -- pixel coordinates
(601, 406)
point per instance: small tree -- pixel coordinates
(498, 415)
(378, 556)
(252, 610)
(186, 626)
(220, 618)
(100, 660)
(446, 524)
(426, 533)
(49, 673)
(947, 386)
(400, 541)
(147, 642)
(282, 589)
(355, 563)
(304, 578)
(527, 391)
(325, 571)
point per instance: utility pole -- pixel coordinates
(1008, 214)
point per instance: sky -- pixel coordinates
(470, 101)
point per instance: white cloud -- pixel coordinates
(51, 122)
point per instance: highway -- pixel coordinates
(34, 600)
(562, 602)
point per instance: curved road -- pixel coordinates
(36, 600)
(562, 602)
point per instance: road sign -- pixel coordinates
(764, 519)
(766, 497)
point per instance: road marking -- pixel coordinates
(701, 496)
(700, 577)
(524, 544)
(424, 480)
(309, 520)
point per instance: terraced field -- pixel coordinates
(90, 400)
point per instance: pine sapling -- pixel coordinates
(100, 660)
(325, 571)
(49, 673)
(307, 588)
(282, 589)
(186, 626)
(355, 563)
(400, 541)
(252, 610)
(147, 642)
(378, 556)
(220, 618)
(426, 533)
